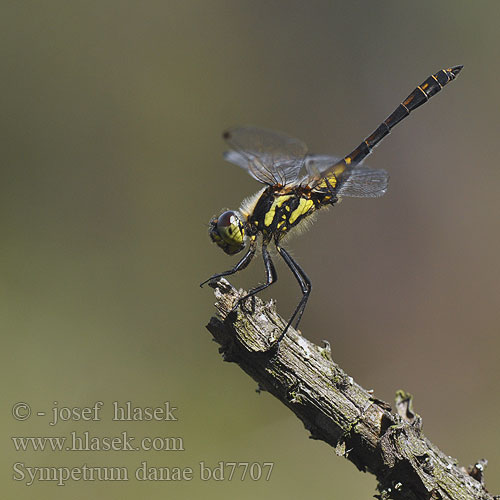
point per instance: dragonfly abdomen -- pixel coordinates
(419, 96)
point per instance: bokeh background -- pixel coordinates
(112, 113)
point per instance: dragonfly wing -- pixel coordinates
(270, 157)
(316, 166)
(253, 166)
(363, 182)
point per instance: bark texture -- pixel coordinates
(335, 409)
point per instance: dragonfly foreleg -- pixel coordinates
(245, 260)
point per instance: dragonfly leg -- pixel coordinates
(305, 286)
(245, 260)
(271, 277)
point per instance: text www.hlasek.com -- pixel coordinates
(85, 441)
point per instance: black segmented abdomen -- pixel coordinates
(419, 96)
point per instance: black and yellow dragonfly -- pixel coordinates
(297, 185)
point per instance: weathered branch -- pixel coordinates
(336, 410)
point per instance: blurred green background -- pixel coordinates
(112, 113)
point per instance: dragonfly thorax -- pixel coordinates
(278, 211)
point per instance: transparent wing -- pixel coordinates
(356, 182)
(316, 166)
(363, 182)
(253, 166)
(269, 157)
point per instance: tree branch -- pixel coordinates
(335, 409)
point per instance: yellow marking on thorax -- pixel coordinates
(304, 206)
(268, 219)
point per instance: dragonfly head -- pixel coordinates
(228, 232)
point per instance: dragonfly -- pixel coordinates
(296, 185)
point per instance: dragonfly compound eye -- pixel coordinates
(227, 232)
